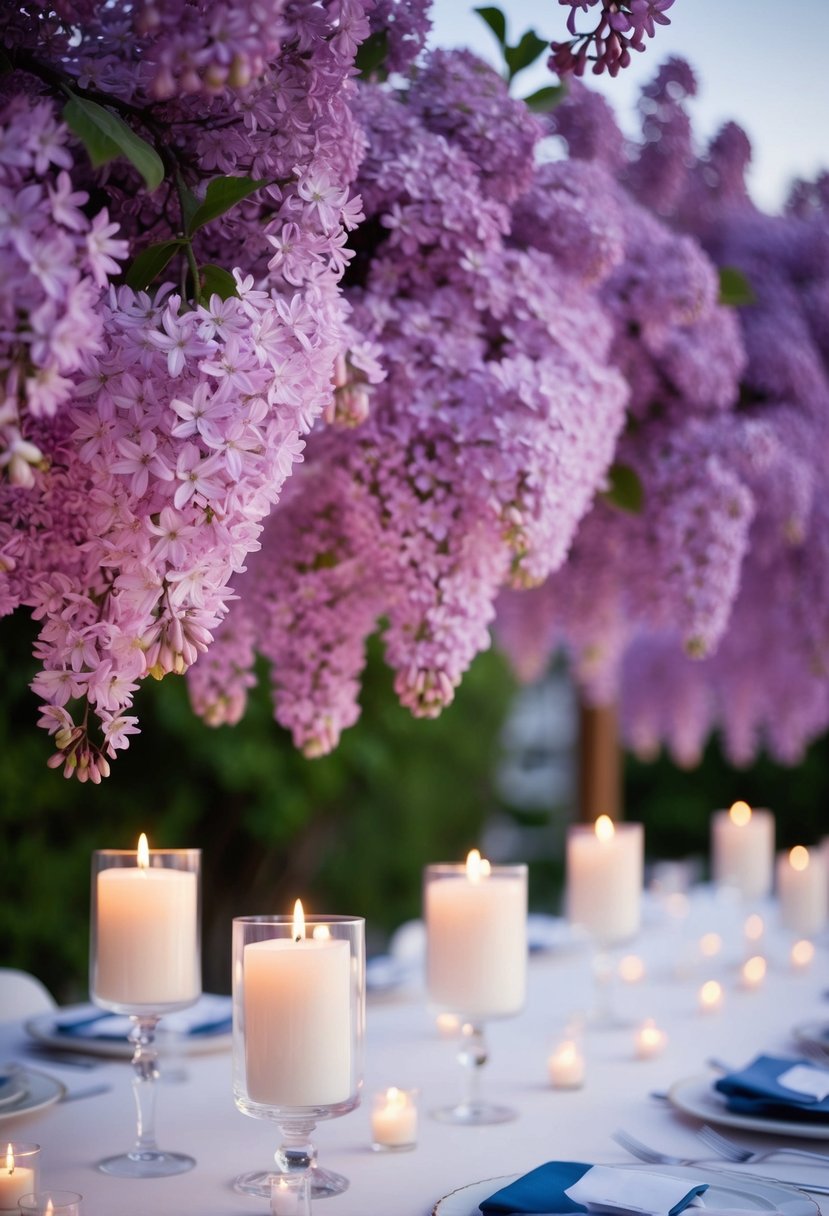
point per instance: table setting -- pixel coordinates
(641, 1060)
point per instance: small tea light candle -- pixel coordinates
(631, 969)
(802, 954)
(710, 945)
(753, 971)
(754, 927)
(566, 1066)
(742, 849)
(650, 1040)
(19, 1169)
(710, 997)
(290, 1196)
(448, 1025)
(50, 1203)
(394, 1120)
(802, 891)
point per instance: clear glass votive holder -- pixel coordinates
(298, 1031)
(145, 961)
(63, 1203)
(394, 1120)
(19, 1173)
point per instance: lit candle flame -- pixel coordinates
(754, 971)
(143, 853)
(10, 1159)
(604, 828)
(50, 1209)
(802, 953)
(799, 857)
(299, 922)
(740, 814)
(710, 995)
(477, 867)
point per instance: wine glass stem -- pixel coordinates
(145, 1069)
(296, 1153)
(472, 1055)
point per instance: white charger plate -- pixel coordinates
(725, 1191)
(43, 1029)
(697, 1096)
(38, 1090)
(12, 1087)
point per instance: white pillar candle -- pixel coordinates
(802, 891)
(476, 935)
(18, 1174)
(604, 878)
(650, 1040)
(297, 1016)
(146, 935)
(566, 1066)
(742, 850)
(394, 1119)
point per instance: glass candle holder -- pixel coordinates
(605, 868)
(145, 961)
(19, 1173)
(45, 1203)
(298, 1030)
(476, 963)
(394, 1120)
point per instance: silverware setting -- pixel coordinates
(652, 1156)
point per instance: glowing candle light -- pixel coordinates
(394, 1119)
(710, 997)
(650, 1040)
(566, 1066)
(742, 849)
(802, 891)
(753, 971)
(604, 878)
(631, 969)
(18, 1174)
(803, 952)
(710, 945)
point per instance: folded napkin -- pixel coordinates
(573, 1186)
(211, 1014)
(775, 1088)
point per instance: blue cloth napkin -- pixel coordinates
(544, 1190)
(212, 1014)
(755, 1090)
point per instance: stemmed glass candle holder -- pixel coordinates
(476, 963)
(605, 871)
(145, 962)
(298, 1028)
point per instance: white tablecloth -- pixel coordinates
(196, 1115)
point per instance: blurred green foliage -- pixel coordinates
(348, 833)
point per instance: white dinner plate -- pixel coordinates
(725, 1191)
(43, 1029)
(12, 1086)
(697, 1096)
(37, 1092)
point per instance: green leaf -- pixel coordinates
(496, 21)
(222, 194)
(542, 101)
(149, 263)
(215, 281)
(735, 289)
(106, 136)
(189, 204)
(625, 491)
(525, 52)
(372, 53)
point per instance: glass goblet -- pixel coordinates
(145, 962)
(298, 1029)
(476, 963)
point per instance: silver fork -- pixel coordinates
(735, 1152)
(645, 1153)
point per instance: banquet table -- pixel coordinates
(196, 1112)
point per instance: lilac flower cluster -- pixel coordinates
(483, 446)
(622, 27)
(147, 435)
